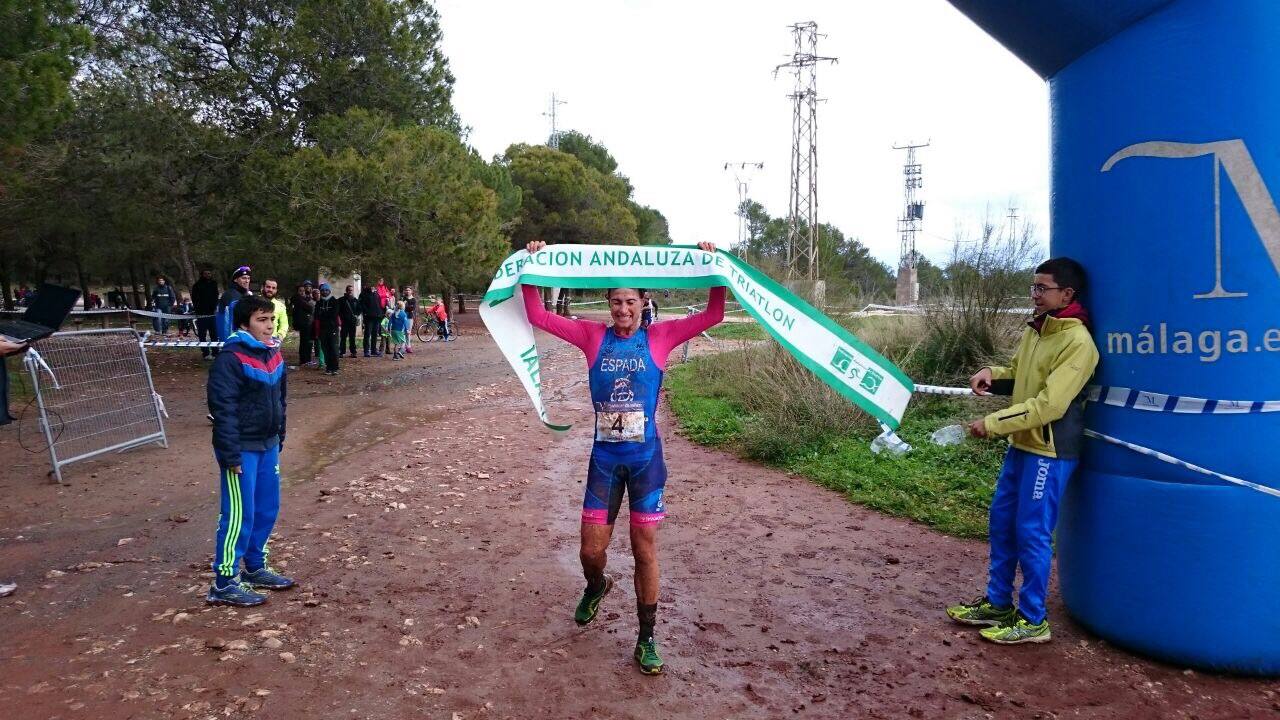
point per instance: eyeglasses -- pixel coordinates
(1038, 290)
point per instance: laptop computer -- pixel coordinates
(46, 313)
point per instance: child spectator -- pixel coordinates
(246, 396)
(1045, 426)
(184, 307)
(385, 329)
(442, 316)
(399, 331)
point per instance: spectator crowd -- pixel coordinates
(379, 319)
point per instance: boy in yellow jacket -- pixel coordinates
(1045, 427)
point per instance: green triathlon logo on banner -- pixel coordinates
(868, 379)
(828, 350)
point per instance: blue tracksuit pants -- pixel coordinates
(1024, 511)
(250, 504)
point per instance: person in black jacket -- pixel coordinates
(348, 311)
(302, 307)
(371, 308)
(238, 288)
(328, 322)
(7, 348)
(247, 401)
(162, 301)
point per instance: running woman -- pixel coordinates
(625, 364)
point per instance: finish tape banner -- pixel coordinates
(831, 352)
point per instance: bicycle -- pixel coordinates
(428, 330)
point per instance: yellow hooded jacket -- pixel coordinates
(281, 318)
(1050, 370)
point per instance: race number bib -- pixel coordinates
(619, 422)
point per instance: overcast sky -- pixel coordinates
(675, 90)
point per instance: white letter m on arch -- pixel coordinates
(1244, 175)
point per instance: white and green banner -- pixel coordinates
(830, 351)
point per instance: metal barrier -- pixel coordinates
(95, 394)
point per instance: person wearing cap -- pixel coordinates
(328, 322)
(301, 307)
(239, 287)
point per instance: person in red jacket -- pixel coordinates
(442, 315)
(384, 293)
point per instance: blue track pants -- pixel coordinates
(1024, 511)
(250, 504)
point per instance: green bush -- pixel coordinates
(759, 401)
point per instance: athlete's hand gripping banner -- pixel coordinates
(831, 352)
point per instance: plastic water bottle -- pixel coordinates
(949, 435)
(889, 442)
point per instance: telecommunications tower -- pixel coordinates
(908, 289)
(553, 140)
(802, 228)
(742, 176)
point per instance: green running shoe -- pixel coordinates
(647, 655)
(1017, 632)
(981, 612)
(589, 605)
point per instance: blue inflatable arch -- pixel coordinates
(1165, 162)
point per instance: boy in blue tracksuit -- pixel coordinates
(246, 395)
(1045, 426)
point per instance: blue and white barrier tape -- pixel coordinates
(181, 344)
(1157, 402)
(163, 316)
(1148, 401)
(940, 390)
(1182, 463)
(122, 311)
(1137, 400)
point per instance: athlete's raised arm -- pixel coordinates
(584, 334)
(666, 335)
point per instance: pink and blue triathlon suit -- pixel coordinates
(625, 376)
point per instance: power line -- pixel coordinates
(908, 288)
(554, 139)
(741, 175)
(802, 228)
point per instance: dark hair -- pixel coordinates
(608, 294)
(1066, 272)
(248, 305)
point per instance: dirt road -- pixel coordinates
(434, 532)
